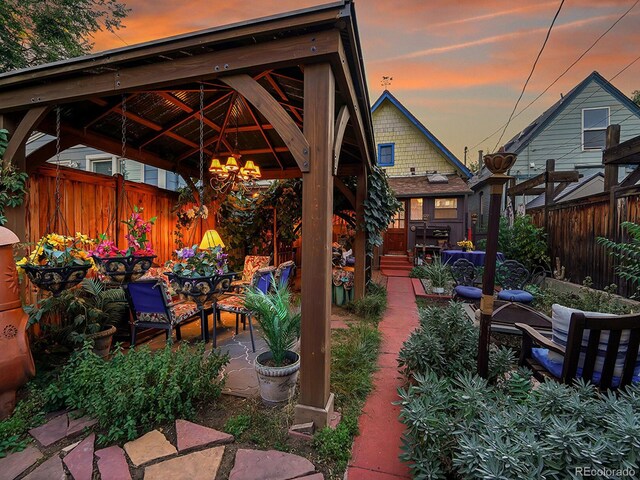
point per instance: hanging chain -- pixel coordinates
(123, 168)
(201, 147)
(57, 189)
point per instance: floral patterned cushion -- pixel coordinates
(283, 266)
(343, 277)
(252, 263)
(178, 312)
(233, 304)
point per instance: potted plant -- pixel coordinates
(87, 313)
(466, 245)
(200, 274)
(122, 266)
(58, 262)
(277, 368)
(438, 274)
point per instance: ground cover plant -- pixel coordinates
(372, 305)
(585, 299)
(138, 389)
(462, 426)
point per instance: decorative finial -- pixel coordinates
(386, 81)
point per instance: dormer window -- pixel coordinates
(386, 155)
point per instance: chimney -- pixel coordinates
(480, 159)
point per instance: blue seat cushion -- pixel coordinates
(541, 355)
(519, 296)
(473, 293)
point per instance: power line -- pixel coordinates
(565, 72)
(524, 87)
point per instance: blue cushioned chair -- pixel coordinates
(285, 273)
(151, 307)
(464, 274)
(512, 277)
(262, 280)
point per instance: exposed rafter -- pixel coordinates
(264, 135)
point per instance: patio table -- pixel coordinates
(476, 256)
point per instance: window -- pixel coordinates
(398, 220)
(416, 209)
(102, 166)
(386, 154)
(446, 208)
(594, 128)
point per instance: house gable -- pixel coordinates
(558, 133)
(398, 132)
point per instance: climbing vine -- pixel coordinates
(13, 184)
(380, 207)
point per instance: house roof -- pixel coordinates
(539, 200)
(522, 139)
(420, 186)
(387, 95)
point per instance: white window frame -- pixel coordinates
(115, 164)
(582, 127)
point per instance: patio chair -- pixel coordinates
(252, 263)
(262, 280)
(464, 274)
(151, 307)
(512, 277)
(285, 273)
(599, 348)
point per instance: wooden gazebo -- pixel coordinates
(294, 85)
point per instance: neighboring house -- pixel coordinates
(572, 132)
(92, 160)
(587, 186)
(426, 177)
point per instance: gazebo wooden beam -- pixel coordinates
(262, 132)
(270, 109)
(340, 128)
(360, 242)
(348, 194)
(20, 134)
(625, 153)
(311, 47)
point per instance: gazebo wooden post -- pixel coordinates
(316, 401)
(360, 244)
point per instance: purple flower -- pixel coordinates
(185, 253)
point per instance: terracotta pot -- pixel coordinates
(277, 384)
(16, 362)
(102, 341)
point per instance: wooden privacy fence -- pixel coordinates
(88, 204)
(574, 227)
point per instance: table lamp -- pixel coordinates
(211, 239)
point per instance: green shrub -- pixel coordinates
(522, 241)
(446, 342)
(237, 424)
(627, 254)
(336, 443)
(29, 413)
(138, 390)
(510, 432)
(372, 305)
(419, 271)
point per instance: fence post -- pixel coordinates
(548, 198)
(611, 179)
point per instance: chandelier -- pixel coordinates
(233, 172)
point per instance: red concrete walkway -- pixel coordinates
(376, 449)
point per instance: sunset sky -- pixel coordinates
(458, 65)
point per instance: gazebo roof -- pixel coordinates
(160, 81)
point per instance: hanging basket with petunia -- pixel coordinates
(58, 262)
(124, 266)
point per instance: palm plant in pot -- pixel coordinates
(278, 367)
(438, 274)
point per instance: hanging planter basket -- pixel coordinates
(124, 269)
(56, 279)
(201, 289)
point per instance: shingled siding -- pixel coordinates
(411, 148)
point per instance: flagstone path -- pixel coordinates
(376, 448)
(197, 455)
